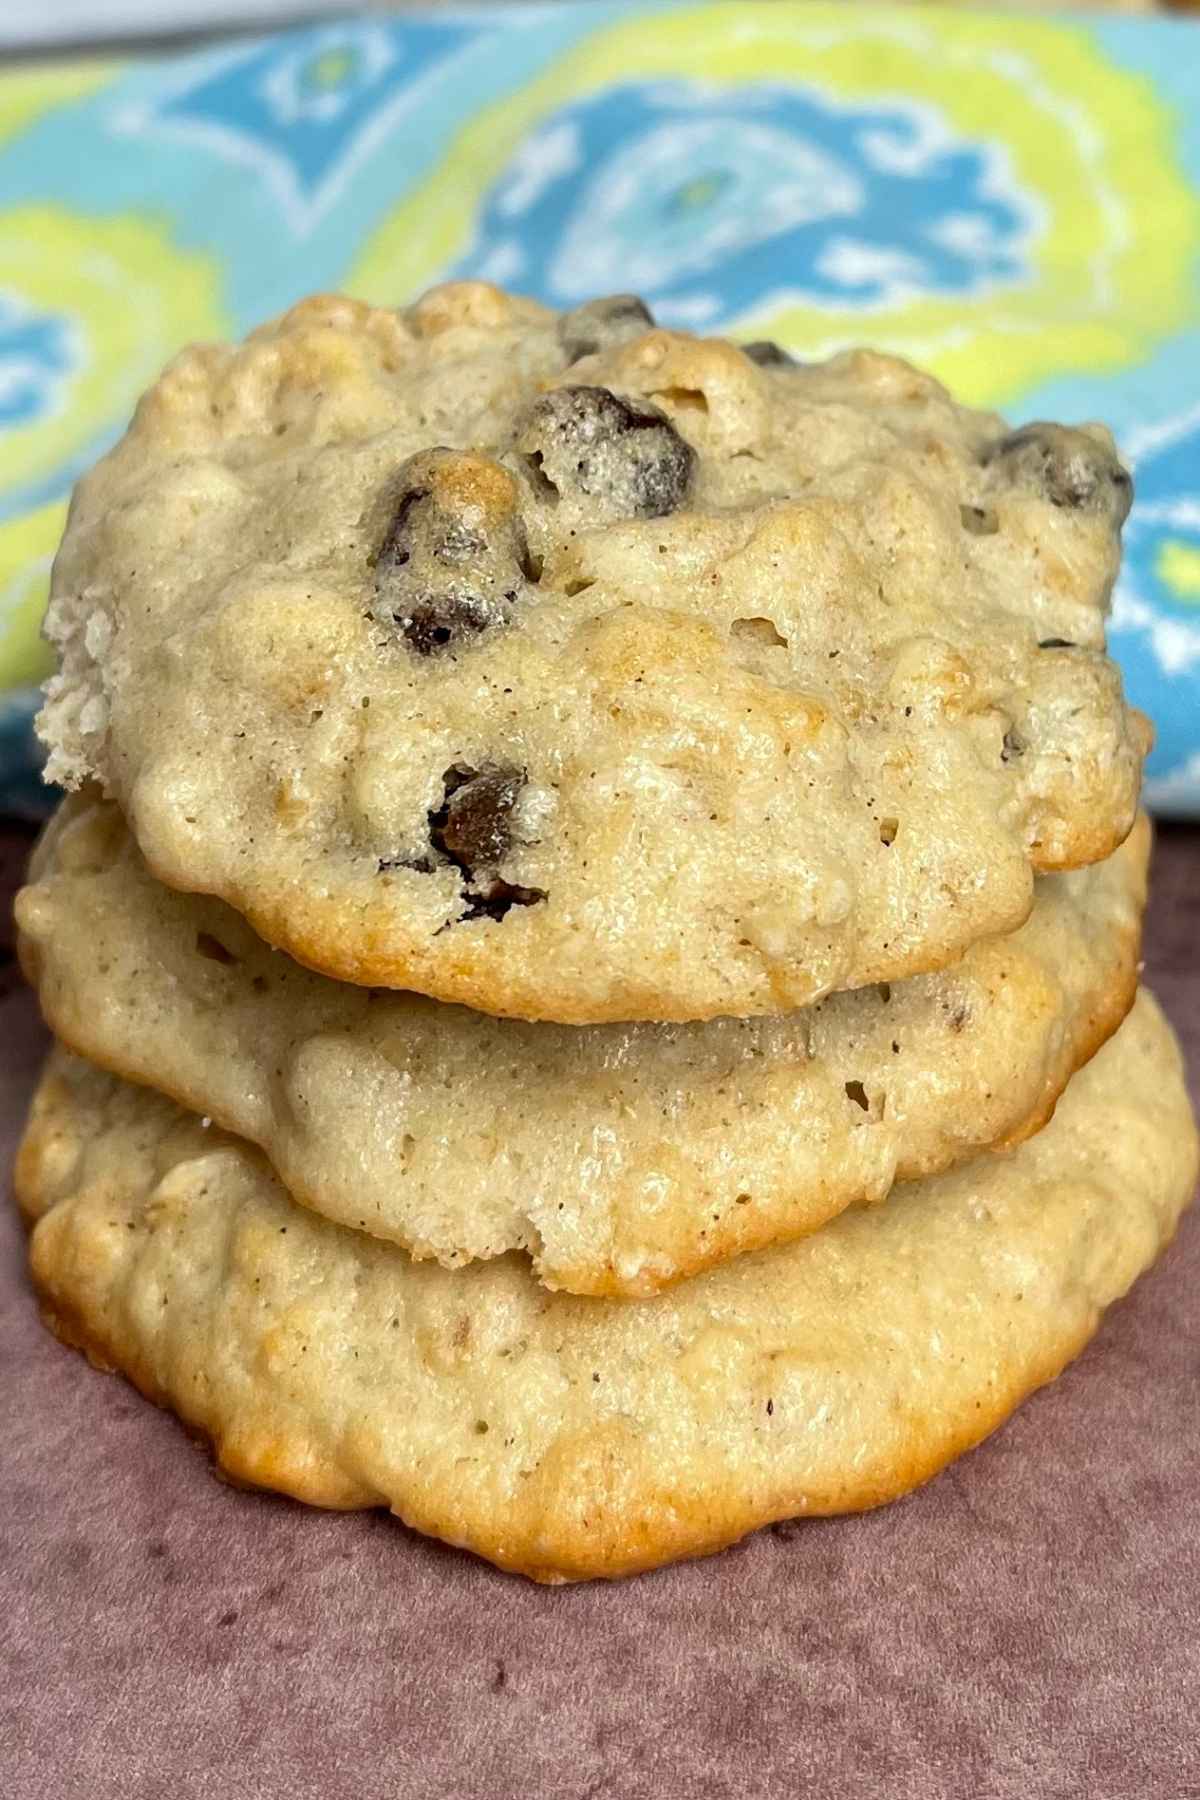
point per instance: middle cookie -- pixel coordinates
(620, 1157)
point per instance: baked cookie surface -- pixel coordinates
(580, 670)
(621, 1157)
(567, 1437)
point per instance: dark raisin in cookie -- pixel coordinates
(769, 355)
(624, 461)
(603, 323)
(452, 558)
(1068, 467)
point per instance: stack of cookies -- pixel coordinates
(601, 904)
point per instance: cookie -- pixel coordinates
(575, 669)
(566, 1437)
(619, 1157)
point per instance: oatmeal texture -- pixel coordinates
(620, 1157)
(567, 1437)
(577, 669)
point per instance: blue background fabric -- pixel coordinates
(1014, 202)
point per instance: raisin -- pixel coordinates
(602, 324)
(1068, 467)
(451, 558)
(497, 899)
(394, 552)
(473, 824)
(1013, 746)
(1056, 644)
(627, 459)
(473, 829)
(458, 543)
(432, 622)
(770, 355)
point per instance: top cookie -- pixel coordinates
(577, 669)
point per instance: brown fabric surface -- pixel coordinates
(1026, 1626)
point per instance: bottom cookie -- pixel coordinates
(567, 1437)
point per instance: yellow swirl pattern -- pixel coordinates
(27, 549)
(131, 296)
(1088, 142)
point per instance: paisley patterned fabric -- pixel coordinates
(1012, 201)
